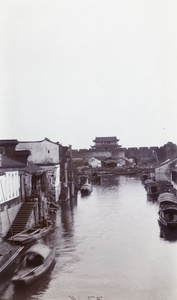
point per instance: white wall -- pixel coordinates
(94, 163)
(42, 152)
(9, 186)
(53, 177)
(7, 218)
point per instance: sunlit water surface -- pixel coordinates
(108, 246)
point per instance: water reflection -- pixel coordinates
(109, 180)
(84, 196)
(67, 219)
(108, 244)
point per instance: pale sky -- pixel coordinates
(71, 70)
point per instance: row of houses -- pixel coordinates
(31, 171)
(43, 170)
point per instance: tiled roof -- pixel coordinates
(32, 168)
(106, 139)
(31, 142)
(8, 142)
(6, 162)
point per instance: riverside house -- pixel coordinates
(12, 191)
(46, 155)
(20, 182)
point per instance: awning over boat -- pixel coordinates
(40, 249)
(150, 182)
(167, 197)
(170, 210)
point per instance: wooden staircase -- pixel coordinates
(21, 219)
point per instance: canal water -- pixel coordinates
(109, 246)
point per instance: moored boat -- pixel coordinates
(147, 175)
(86, 188)
(151, 187)
(167, 209)
(8, 254)
(30, 235)
(168, 233)
(35, 262)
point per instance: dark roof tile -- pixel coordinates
(6, 162)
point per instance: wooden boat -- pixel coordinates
(86, 188)
(168, 233)
(30, 235)
(167, 209)
(151, 187)
(145, 176)
(35, 262)
(8, 254)
(167, 198)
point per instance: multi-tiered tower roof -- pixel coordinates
(106, 143)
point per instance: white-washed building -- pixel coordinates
(12, 191)
(46, 154)
(94, 162)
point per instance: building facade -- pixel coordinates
(12, 191)
(46, 155)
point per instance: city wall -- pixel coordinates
(141, 155)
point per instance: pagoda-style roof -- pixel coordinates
(105, 143)
(106, 139)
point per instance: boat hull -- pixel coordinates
(167, 223)
(152, 191)
(86, 189)
(27, 237)
(86, 192)
(167, 209)
(33, 276)
(28, 275)
(151, 187)
(8, 259)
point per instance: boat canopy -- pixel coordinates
(39, 249)
(167, 197)
(170, 209)
(150, 182)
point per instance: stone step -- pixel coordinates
(21, 219)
